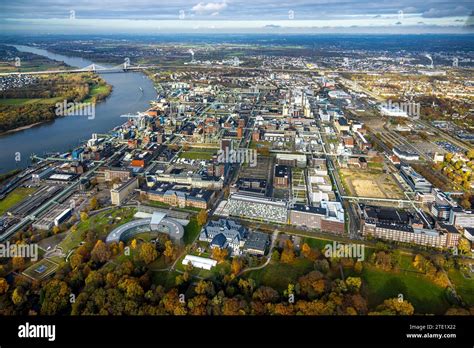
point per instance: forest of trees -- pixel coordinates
(98, 280)
(89, 284)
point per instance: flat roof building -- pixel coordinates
(417, 182)
(118, 194)
(199, 262)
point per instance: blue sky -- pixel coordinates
(142, 16)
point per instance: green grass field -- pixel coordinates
(95, 91)
(201, 154)
(159, 263)
(98, 89)
(97, 222)
(278, 275)
(165, 278)
(424, 295)
(316, 243)
(14, 197)
(464, 287)
(191, 231)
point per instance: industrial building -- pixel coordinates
(53, 217)
(417, 182)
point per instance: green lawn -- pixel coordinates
(405, 262)
(320, 244)
(278, 275)
(95, 91)
(98, 89)
(202, 154)
(464, 287)
(165, 278)
(316, 243)
(159, 263)
(424, 295)
(191, 231)
(97, 223)
(146, 236)
(14, 197)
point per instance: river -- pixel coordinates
(63, 134)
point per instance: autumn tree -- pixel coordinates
(236, 265)
(395, 306)
(205, 288)
(308, 252)
(353, 283)
(3, 286)
(312, 284)
(169, 250)
(93, 204)
(420, 263)
(18, 263)
(233, 306)
(178, 280)
(383, 260)
(94, 279)
(281, 309)
(75, 260)
(219, 254)
(470, 154)
(288, 254)
(132, 289)
(148, 253)
(84, 216)
(18, 296)
(201, 217)
(100, 252)
(266, 294)
(55, 298)
(464, 246)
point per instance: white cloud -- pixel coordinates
(209, 8)
(437, 13)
